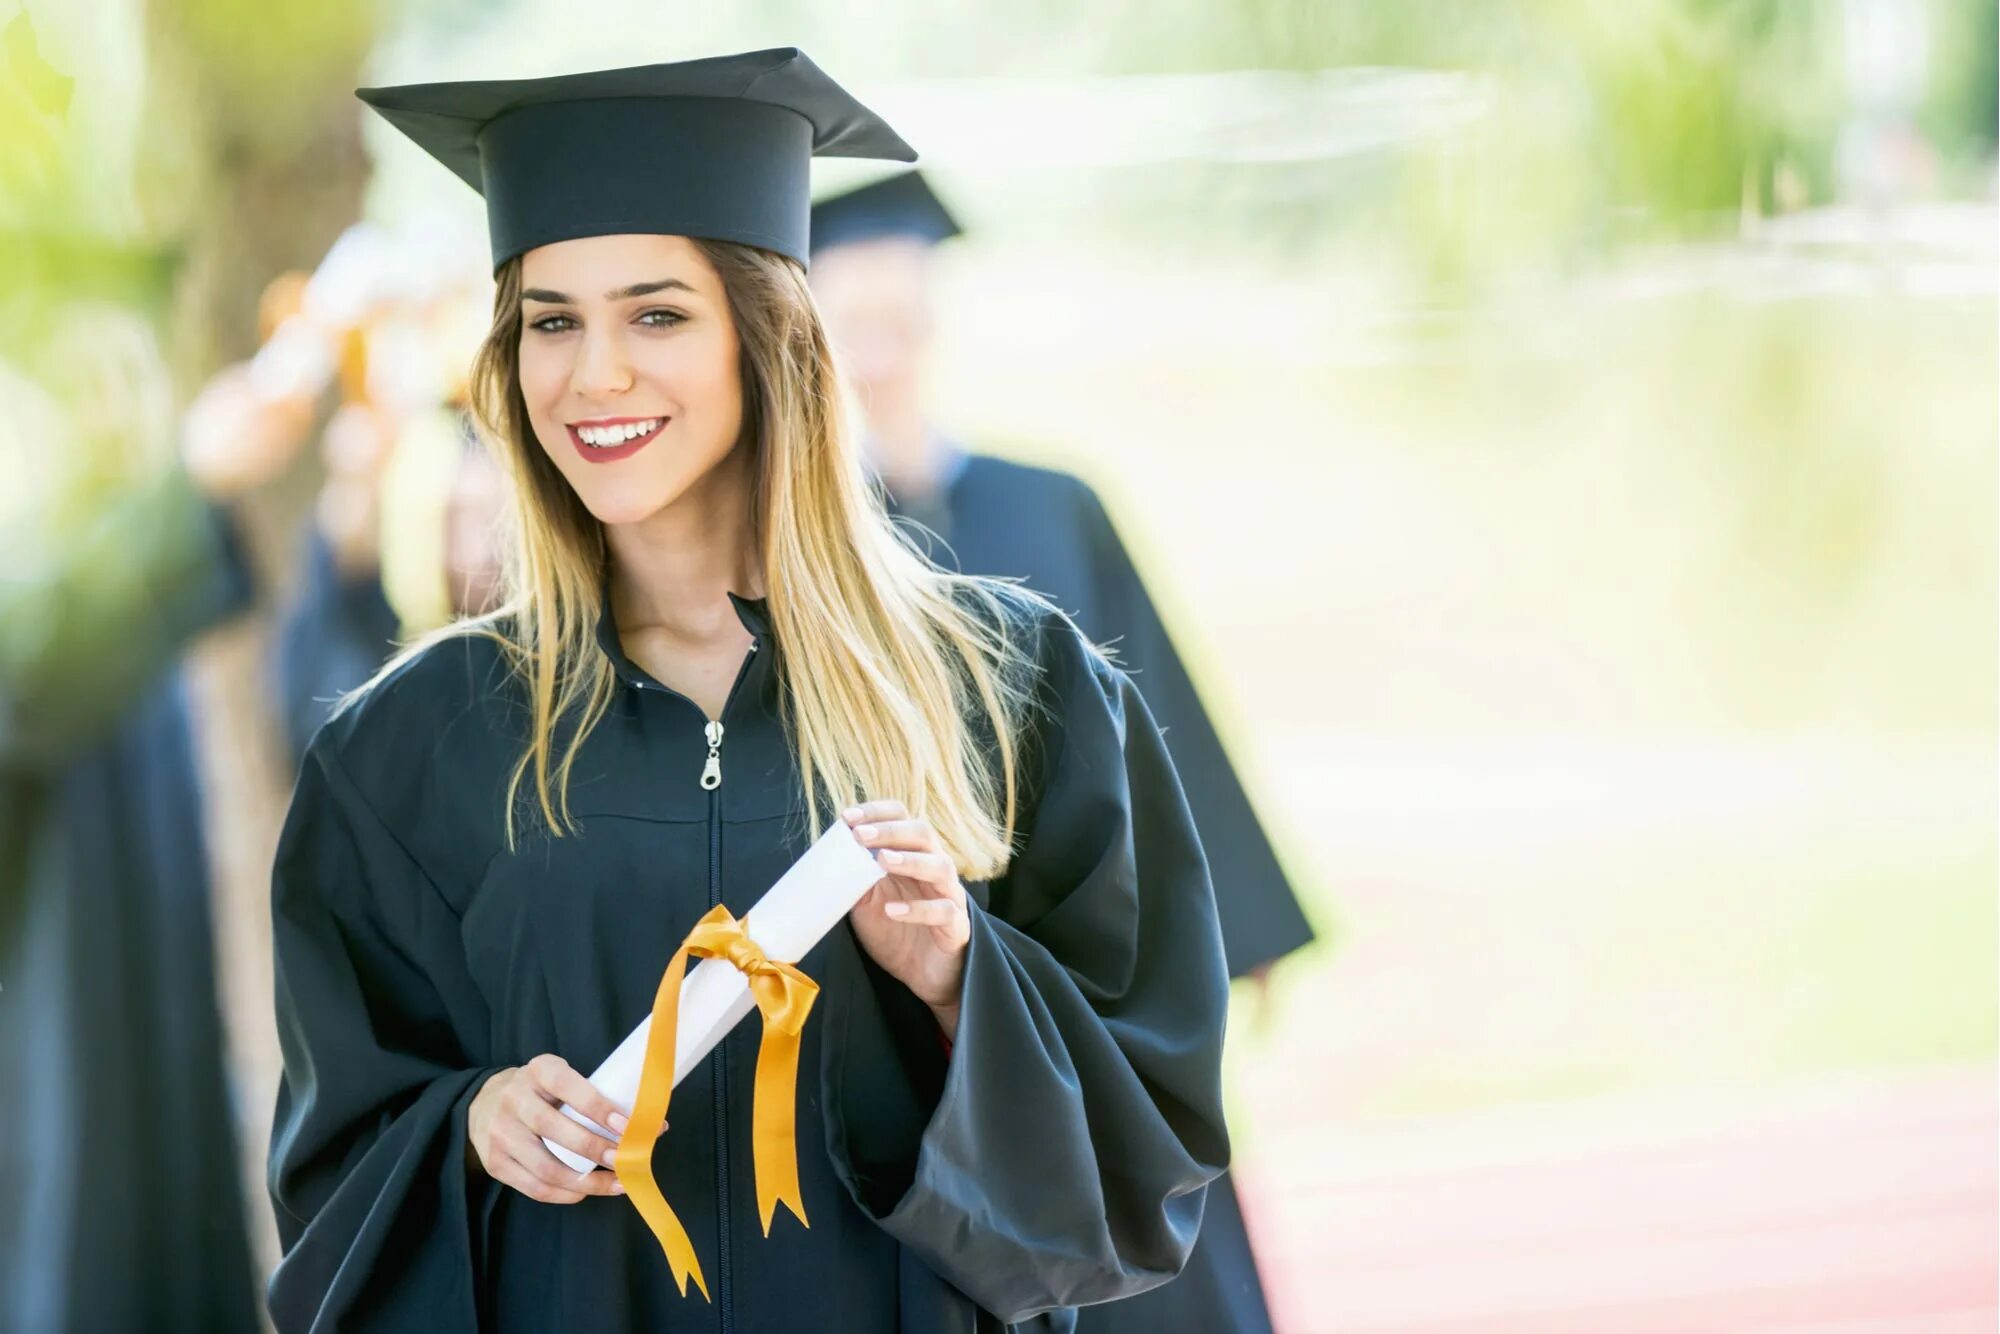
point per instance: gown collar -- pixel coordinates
(753, 613)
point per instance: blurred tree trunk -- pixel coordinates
(252, 162)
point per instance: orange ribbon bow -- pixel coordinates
(784, 997)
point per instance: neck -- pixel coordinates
(674, 571)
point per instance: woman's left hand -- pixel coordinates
(914, 923)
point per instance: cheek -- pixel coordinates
(544, 378)
(703, 379)
(725, 391)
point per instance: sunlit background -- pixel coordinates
(1562, 437)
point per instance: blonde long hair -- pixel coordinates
(898, 679)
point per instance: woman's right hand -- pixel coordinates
(518, 1107)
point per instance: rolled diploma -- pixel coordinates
(809, 899)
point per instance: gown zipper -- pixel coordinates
(711, 783)
(711, 770)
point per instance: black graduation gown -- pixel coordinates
(121, 1194)
(1056, 1155)
(337, 631)
(1048, 528)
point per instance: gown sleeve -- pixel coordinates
(379, 1219)
(1254, 899)
(1059, 1154)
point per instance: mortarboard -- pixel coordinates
(902, 205)
(719, 148)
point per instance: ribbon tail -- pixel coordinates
(667, 1230)
(773, 1129)
(634, 1158)
(784, 998)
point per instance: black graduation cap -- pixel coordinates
(902, 205)
(717, 148)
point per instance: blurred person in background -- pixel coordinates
(341, 625)
(123, 1206)
(338, 626)
(872, 250)
(401, 453)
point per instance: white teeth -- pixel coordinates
(603, 437)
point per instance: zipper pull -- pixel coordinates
(711, 772)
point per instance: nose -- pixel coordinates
(601, 369)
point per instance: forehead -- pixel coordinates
(590, 266)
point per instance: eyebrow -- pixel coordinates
(548, 298)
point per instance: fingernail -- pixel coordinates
(891, 856)
(896, 909)
(866, 833)
(851, 813)
(617, 1188)
(610, 1157)
(618, 1122)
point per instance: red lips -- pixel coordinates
(612, 453)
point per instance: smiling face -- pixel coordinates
(629, 369)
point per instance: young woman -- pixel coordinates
(1008, 1100)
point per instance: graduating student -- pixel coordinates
(871, 250)
(1008, 1096)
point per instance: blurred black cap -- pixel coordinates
(902, 205)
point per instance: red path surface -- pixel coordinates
(1865, 1205)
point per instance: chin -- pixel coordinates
(619, 505)
(642, 491)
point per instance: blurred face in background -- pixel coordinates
(629, 369)
(472, 518)
(875, 299)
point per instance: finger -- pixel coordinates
(570, 1087)
(872, 812)
(580, 1140)
(598, 1183)
(541, 1074)
(913, 835)
(932, 868)
(527, 1150)
(925, 912)
(513, 1173)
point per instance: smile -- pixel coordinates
(605, 440)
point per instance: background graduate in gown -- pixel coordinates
(986, 515)
(1009, 1102)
